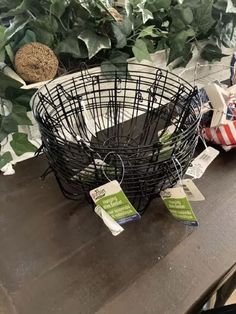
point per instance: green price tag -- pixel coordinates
(177, 203)
(113, 200)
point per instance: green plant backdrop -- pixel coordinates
(93, 32)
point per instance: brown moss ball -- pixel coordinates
(36, 62)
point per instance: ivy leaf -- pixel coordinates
(9, 4)
(73, 46)
(5, 159)
(203, 19)
(212, 53)
(140, 50)
(121, 31)
(58, 7)
(156, 5)
(16, 25)
(7, 82)
(121, 39)
(21, 8)
(44, 29)
(181, 17)
(91, 6)
(116, 63)
(148, 31)
(2, 50)
(8, 126)
(20, 96)
(94, 42)
(185, 57)
(178, 44)
(20, 116)
(187, 15)
(147, 15)
(10, 53)
(20, 144)
(228, 35)
(29, 37)
(230, 7)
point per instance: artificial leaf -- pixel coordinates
(7, 82)
(187, 15)
(73, 46)
(116, 64)
(203, 19)
(9, 4)
(156, 5)
(147, 15)
(20, 116)
(228, 35)
(177, 21)
(2, 50)
(58, 7)
(94, 42)
(19, 9)
(16, 25)
(148, 31)
(212, 53)
(8, 125)
(121, 31)
(10, 53)
(186, 56)
(121, 39)
(119, 57)
(20, 144)
(126, 26)
(5, 159)
(231, 8)
(45, 29)
(91, 6)
(220, 5)
(3, 134)
(178, 44)
(150, 45)
(29, 37)
(20, 96)
(140, 50)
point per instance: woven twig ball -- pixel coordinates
(36, 62)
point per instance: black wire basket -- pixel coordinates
(137, 124)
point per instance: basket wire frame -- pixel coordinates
(129, 125)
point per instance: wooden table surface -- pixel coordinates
(56, 256)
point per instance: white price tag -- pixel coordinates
(191, 190)
(201, 162)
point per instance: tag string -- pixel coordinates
(179, 172)
(203, 140)
(122, 163)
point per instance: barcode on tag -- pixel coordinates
(191, 190)
(205, 157)
(187, 191)
(201, 162)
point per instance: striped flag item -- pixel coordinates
(224, 135)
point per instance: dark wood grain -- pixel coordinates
(178, 281)
(58, 257)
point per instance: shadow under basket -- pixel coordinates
(138, 125)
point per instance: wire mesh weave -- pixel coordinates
(137, 125)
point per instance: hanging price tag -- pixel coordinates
(177, 203)
(113, 200)
(201, 162)
(191, 190)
